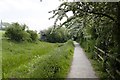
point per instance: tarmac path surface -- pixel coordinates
(81, 66)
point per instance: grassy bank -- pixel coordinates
(88, 47)
(36, 60)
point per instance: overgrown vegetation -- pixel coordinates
(36, 60)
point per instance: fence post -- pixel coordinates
(105, 56)
(105, 60)
(95, 52)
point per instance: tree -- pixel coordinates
(59, 35)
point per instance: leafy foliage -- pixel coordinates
(33, 35)
(17, 32)
(59, 35)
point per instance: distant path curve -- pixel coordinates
(81, 66)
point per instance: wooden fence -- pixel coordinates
(109, 62)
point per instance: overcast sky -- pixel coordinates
(31, 12)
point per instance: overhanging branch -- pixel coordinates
(99, 14)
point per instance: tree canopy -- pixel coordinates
(94, 22)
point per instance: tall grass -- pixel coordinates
(36, 60)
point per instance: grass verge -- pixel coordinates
(36, 60)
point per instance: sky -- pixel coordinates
(33, 13)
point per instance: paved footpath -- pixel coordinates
(81, 66)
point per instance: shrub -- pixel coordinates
(33, 35)
(25, 36)
(16, 32)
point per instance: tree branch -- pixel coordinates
(99, 14)
(103, 15)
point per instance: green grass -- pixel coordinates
(1, 32)
(36, 60)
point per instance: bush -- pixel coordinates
(17, 33)
(25, 36)
(33, 35)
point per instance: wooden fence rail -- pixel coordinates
(105, 57)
